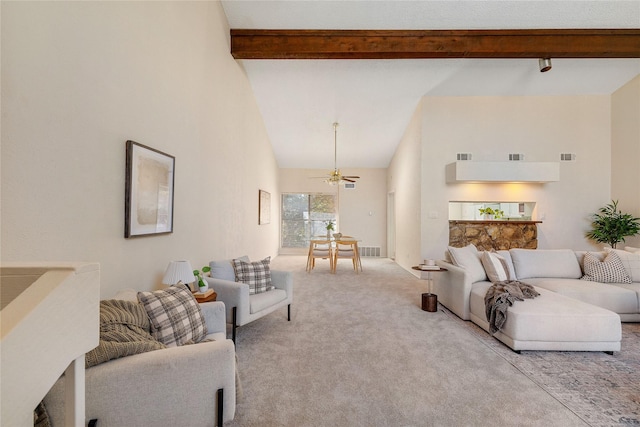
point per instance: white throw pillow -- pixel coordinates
(611, 270)
(495, 266)
(631, 262)
(469, 259)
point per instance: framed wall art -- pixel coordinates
(148, 191)
(264, 207)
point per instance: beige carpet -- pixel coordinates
(359, 351)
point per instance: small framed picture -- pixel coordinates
(148, 191)
(264, 207)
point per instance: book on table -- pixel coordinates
(203, 294)
(429, 267)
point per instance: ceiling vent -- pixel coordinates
(349, 185)
(516, 157)
(463, 156)
(567, 157)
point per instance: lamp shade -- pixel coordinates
(178, 271)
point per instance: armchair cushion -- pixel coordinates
(259, 302)
(255, 274)
(224, 269)
(175, 316)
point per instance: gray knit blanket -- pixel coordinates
(124, 331)
(500, 296)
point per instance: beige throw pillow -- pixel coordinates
(495, 266)
(469, 259)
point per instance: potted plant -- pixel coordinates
(203, 285)
(488, 213)
(330, 228)
(611, 226)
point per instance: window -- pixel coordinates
(304, 216)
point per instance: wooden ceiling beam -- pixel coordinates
(405, 44)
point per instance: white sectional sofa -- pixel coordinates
(569, 315)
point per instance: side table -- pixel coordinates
(429, 300)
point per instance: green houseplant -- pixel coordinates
(330, 228)
(490, 213)
(611, 226)
(202, 285)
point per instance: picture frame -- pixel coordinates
(264, 207)
(149, 188)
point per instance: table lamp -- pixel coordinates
(179, 272)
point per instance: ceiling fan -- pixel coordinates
(335, 177)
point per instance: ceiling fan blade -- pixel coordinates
(344, 178)
(352, 177)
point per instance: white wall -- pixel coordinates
(625, 151)
(78, 80)
(405, 182)
(362, 210)
(539, 127)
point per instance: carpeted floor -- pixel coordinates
(359, 351)
(604, 390)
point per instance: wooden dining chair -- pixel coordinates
(319, 249)
(347, 249)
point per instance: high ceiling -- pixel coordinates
(373, 100)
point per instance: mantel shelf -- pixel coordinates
(496, 172)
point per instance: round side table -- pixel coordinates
(429, 300)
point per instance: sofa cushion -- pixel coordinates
(495, 266)
(224, 270)
(259, 302)
(631, 262)
(620, 298)
(255, 274)
(611, 270)
(175, 316)
(632, 249)
(468, 258)
(551, 317)
(561, 263)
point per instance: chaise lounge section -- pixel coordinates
(570, 314)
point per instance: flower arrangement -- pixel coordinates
(330, 226)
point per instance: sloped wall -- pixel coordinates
(78, 80)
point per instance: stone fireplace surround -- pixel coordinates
(494, 234)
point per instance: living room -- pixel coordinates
(81, 78)
(70, 103)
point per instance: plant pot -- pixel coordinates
(203, 288)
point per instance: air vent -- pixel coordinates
(567, 157)
(369, 251)
(516, 157)
(349, 185)
(464, 156)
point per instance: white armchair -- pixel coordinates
(190, 385)
(243, 308)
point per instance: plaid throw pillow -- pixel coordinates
(175, 316)
(255, 274)
(611, 270)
